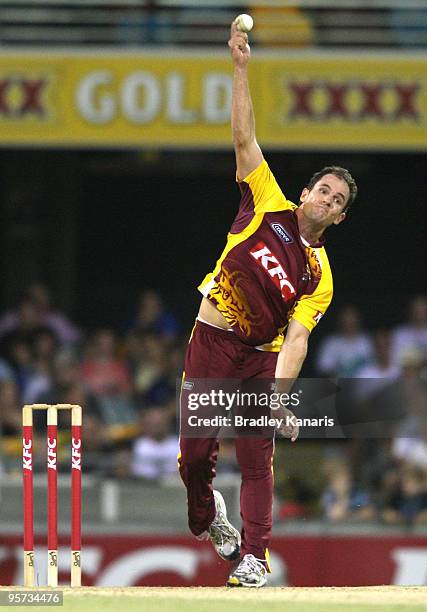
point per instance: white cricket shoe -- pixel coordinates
(224, 537)
(249, 573)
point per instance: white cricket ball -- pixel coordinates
(244, 23)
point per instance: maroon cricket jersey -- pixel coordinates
(268, 274)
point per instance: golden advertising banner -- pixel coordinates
(183, 100)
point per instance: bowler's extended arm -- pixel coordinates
(248, 153)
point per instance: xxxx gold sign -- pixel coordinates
(184, 100)
(340, 101)
(22, 96)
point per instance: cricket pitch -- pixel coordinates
(221, 599)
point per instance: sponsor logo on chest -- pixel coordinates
(267, 260)
(282, 233)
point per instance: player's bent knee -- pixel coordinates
(263, 473)
(196, 458)
(198, 452)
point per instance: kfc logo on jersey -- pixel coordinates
(281, 232)
(265, 258)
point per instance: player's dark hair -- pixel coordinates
(341, 173)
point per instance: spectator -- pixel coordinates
(108, 378)
(20, 357)
(11, 428)
(380, 371)
(151, 367)
(65, 373)
(29, 347)
(152, 317)
(17, 332)
(6, 372)
(408, 502)
(35, 310)
(66, 332)
(10, 409)
(346, 351)
(21, 321)
(104, 373)
(44, 347)
(298, 500)
(154, 454)
(412, 334)
(342, 500)
(97, 439)
(411, 450)
(410, 446)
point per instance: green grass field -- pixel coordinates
(199, 599)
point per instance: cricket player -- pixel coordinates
(268, 290)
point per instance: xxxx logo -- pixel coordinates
(387, 101)
(20, 97)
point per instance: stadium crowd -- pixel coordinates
(127, 381)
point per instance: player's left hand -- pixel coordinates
(289, 428)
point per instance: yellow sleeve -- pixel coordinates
(310, 308)
(266, 193)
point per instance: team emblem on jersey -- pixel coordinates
(314, 264)
(281, 232)
(232, 303)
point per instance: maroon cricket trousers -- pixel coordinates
(217, 354)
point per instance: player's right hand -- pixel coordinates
(289, 428)
(238, 43)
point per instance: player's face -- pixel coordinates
(324, 204)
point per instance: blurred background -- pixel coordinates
(116, 192)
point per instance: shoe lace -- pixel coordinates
(219, 531)
(250, 564)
